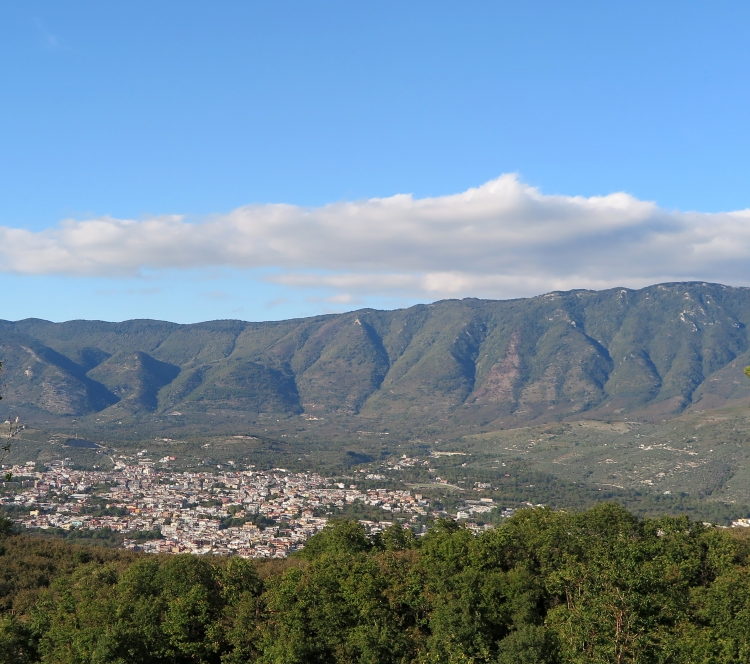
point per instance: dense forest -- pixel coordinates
(546, 586)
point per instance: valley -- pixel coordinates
(635, 394)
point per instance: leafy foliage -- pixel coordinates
(545, 587)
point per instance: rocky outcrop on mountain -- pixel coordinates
(649, 353)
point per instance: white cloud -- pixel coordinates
(439, 284)
(502, 239)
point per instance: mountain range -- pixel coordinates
(643, 354)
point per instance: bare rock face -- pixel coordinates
(648, 353)
(500, 382)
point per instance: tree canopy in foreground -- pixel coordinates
(545, 587)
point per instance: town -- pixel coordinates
(229, 511)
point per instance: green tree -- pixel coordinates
(342, 536)
(175, 610)
(16, 644)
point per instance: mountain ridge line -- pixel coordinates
(646, 353)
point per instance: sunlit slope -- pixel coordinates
(648, 353)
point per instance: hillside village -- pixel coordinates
(210, 512)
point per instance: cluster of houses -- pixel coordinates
(242, 512)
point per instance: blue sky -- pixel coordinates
(135, 134)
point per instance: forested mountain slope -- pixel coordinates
(647, 353)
